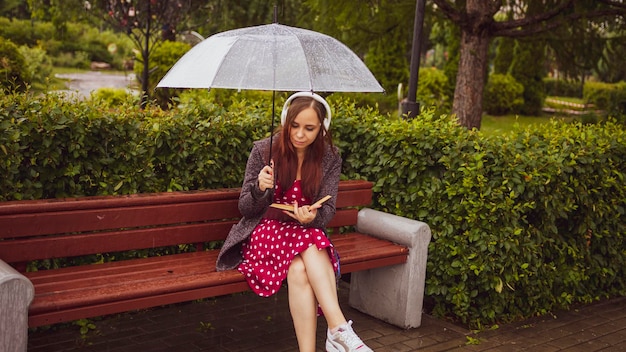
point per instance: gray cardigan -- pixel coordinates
(253, 203)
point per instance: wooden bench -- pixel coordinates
(72, 227)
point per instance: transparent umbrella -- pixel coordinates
(272, 57)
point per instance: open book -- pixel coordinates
(290, 207)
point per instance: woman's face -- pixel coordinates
(304, 129)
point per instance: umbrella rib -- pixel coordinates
(305, 57)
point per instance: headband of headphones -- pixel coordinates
(283, 115)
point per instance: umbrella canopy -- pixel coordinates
(272, 57)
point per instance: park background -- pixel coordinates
(526, 208)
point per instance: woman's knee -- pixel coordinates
(297, 272)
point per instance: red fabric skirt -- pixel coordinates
(274, 243)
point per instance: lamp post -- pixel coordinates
(409, 106)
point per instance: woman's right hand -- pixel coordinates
(266, 177)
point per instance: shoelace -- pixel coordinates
(350, 338)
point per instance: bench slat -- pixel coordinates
(59, 228)
(20, 250)
(115, 241)
(90, 284)
(50, 223)
(117, 201)
(106, 308)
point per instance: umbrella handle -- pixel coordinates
(269, 192)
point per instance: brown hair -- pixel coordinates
(286, 159)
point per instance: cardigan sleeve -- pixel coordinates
(252, 201)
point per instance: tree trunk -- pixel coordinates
(470, 81)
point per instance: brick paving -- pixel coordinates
(246, 323)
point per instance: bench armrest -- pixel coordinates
(16, 294)
(394, 294)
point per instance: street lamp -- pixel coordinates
(409, 106)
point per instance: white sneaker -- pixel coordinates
(345, 340)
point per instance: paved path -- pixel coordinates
(247, 323)
(85, 82)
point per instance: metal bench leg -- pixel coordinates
(16, 294)
(394, 294)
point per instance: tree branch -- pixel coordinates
(618, 4)
(449, 10)
(532, 19)
(534, 26)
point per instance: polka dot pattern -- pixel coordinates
(274, 243)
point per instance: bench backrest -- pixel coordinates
(68, 227)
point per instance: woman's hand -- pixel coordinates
(304, 214)
(266, 177)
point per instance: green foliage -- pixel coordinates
(527, 69)
(608, 97)
(503, 94)
(25, 32)
(504, 55)
(562, 88)
(79, 45)
(85, 326)
(523, 223)
(113, 97)
(57, 148)
(13, 69)
(383, 60)
(162, 59)
(432, 89)
(451, 67)
(38, 64)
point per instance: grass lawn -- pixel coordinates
(502, 124)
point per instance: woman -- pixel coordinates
(269, 245)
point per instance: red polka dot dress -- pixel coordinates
(274, 243)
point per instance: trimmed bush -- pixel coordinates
(432, 89)
(162, 58)
(13, 69)
(503, 95)
(38, 64)
(562, 88)
(80, 43)
(523, 223)
(608, 97)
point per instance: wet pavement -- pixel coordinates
(83, 83)
(245, 322)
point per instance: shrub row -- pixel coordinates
(562, 88)
(608, 97)
(523, 223)
(55, 148)
(76, 46)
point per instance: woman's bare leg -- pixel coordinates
(321, 276)
(302, 305)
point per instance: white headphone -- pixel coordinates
(283, 115)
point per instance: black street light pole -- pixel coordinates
(409, 106)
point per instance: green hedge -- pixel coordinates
(610, 97)
(523, 223)
(562, 88)
(503, 95)
(55, 148)
(13, 72)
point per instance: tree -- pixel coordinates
(14, 9)
(477, 22)
(147, 23)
